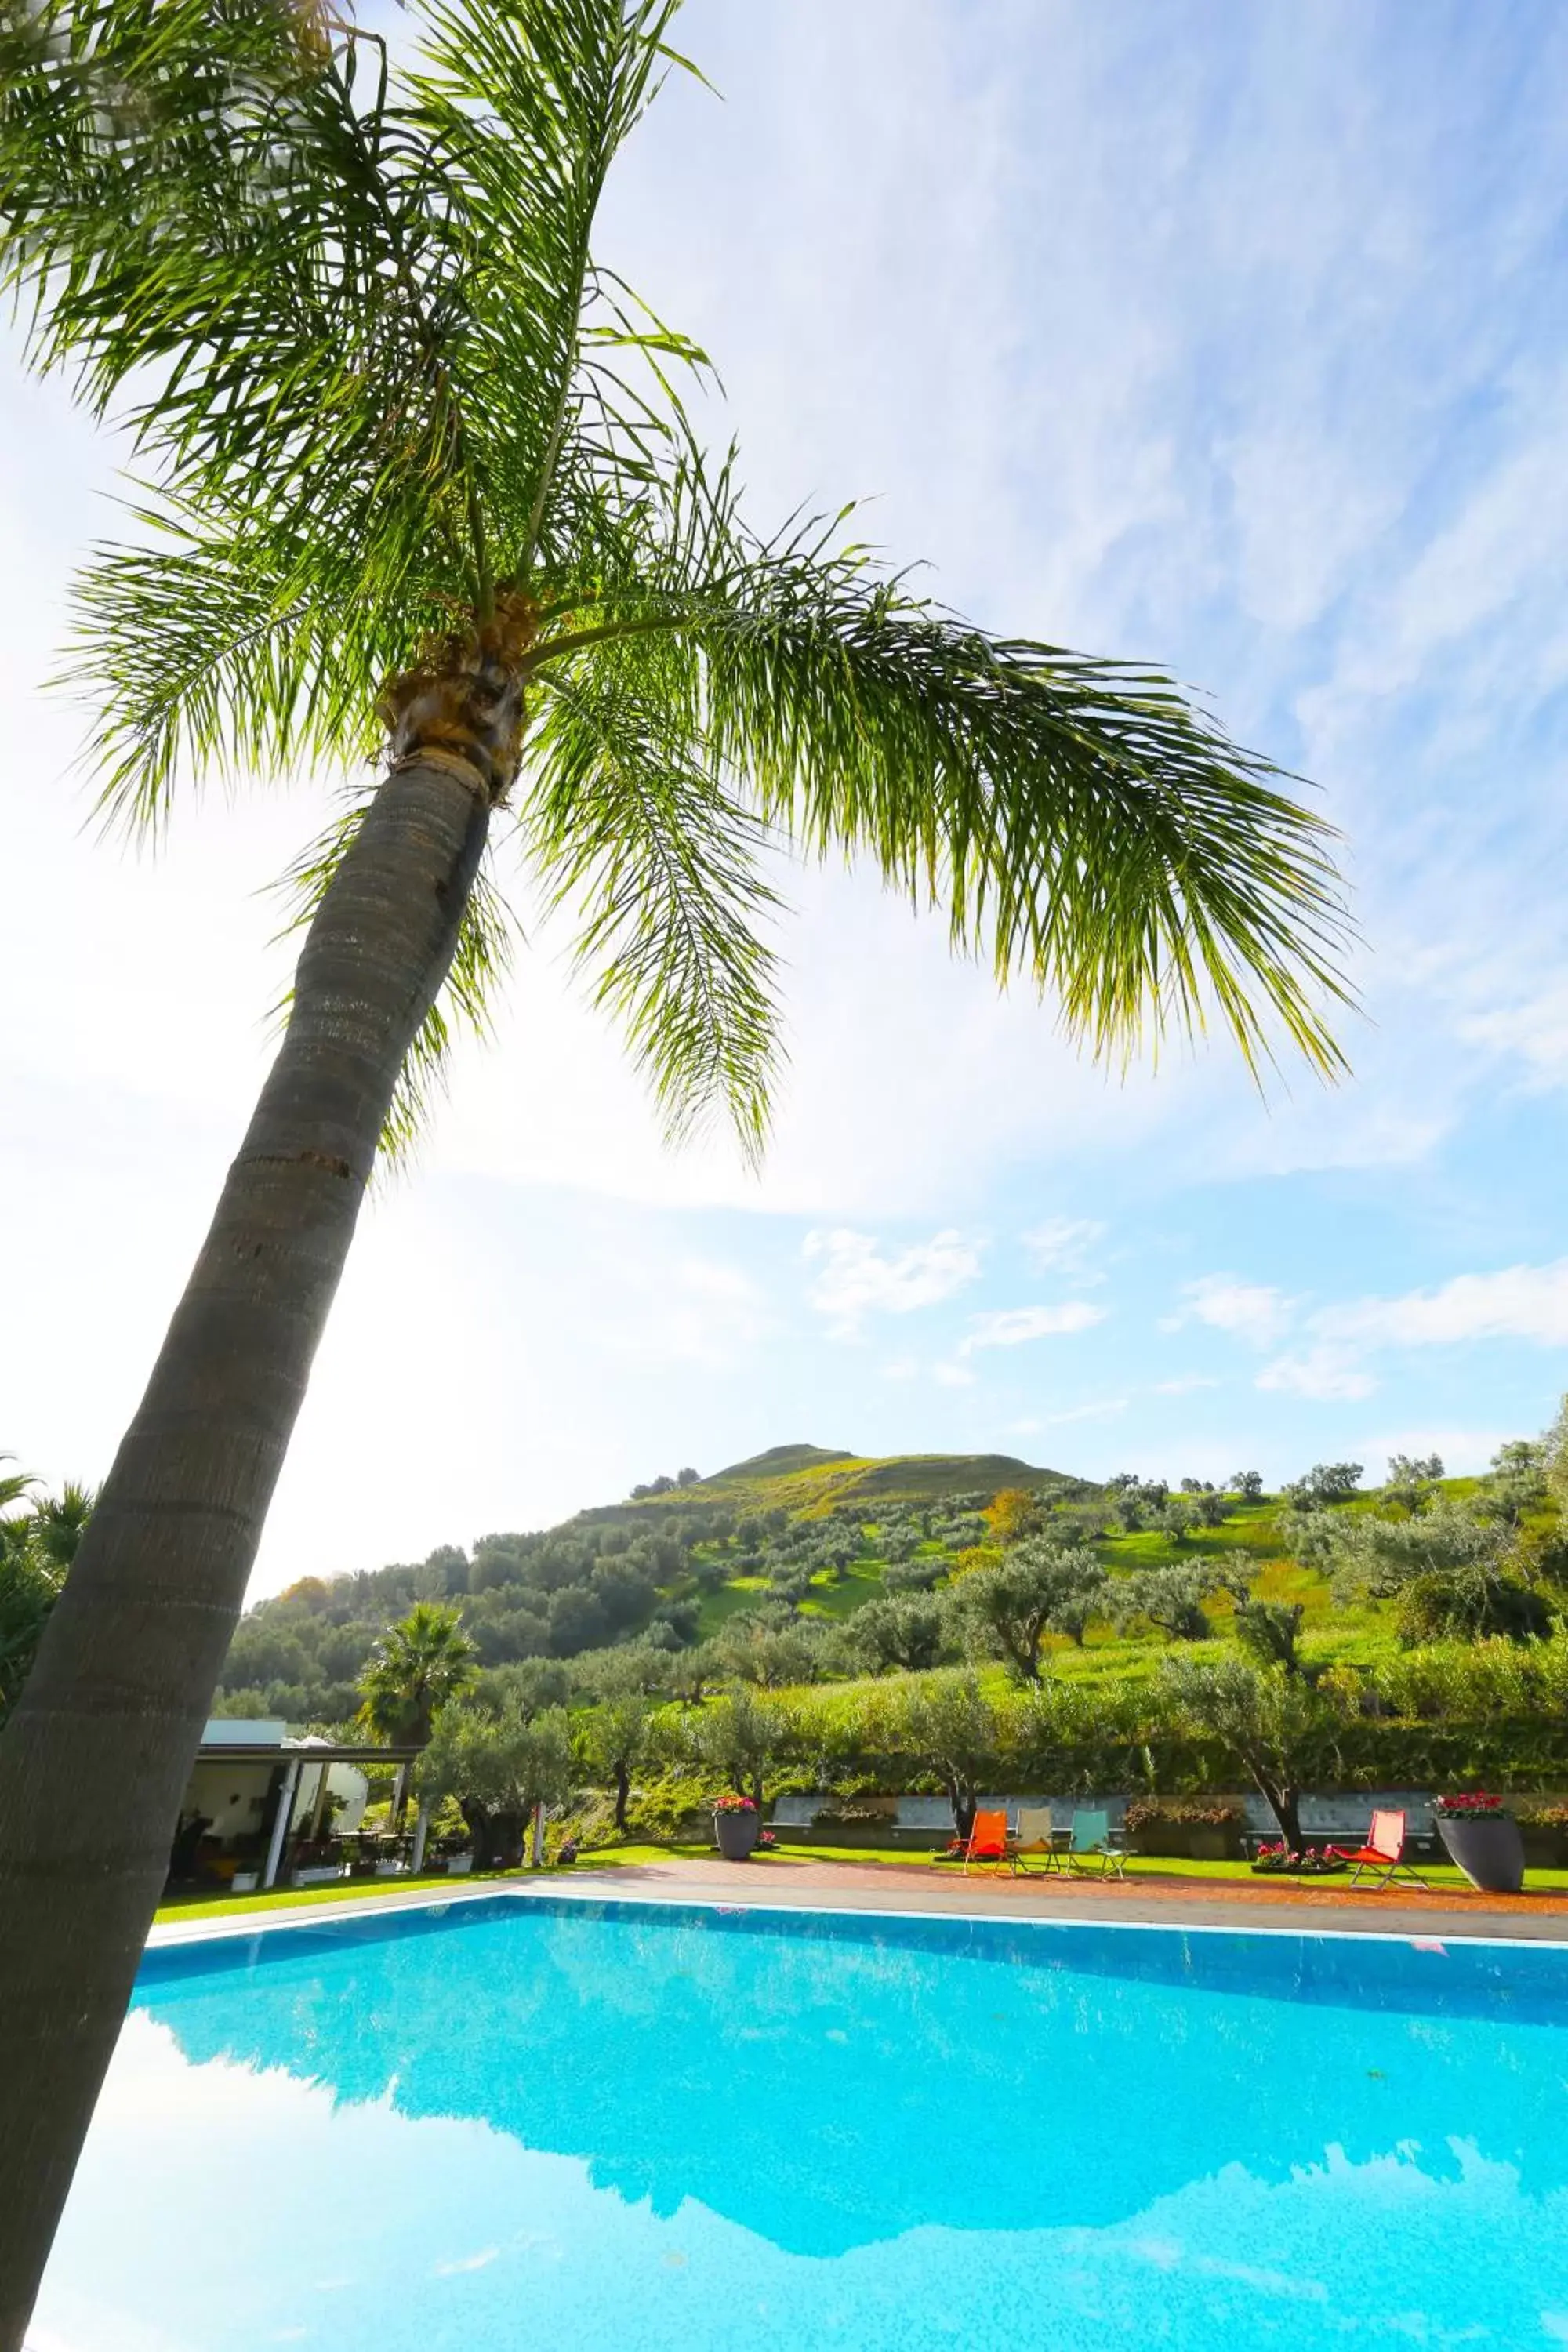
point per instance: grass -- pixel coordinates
(289, 1898)
(1442, 1876)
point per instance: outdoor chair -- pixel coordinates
(1382, 1855)
(1093, 1839)
(1035, 1839)
(988, 1848)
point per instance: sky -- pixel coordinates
(1230, 339)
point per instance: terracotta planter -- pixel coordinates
(1487, 1847)
(736, 1833)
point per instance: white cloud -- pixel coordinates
(952, 1376)
(1521, 1302)
(1101, 1411)
(1320, 1373)
(1012, 1325)
(1061, 1245)
(1253, 1311)
(1534, 1031)
(858, 1279)
(1185, 1385)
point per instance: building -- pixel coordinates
(260, 1807)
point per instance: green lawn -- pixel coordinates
(288, 1898)
(1442, 1876)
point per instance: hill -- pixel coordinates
(799, 1527)
(815, 1480)
(762, 1568)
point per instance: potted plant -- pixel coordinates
(1483, 1840)
(735, 1826)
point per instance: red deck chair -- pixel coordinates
(1384, 1853)
(987, 1848)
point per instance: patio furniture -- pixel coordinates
(1382, 1855)
(1093, 1839)
(987, 1848)
(1038, 1841)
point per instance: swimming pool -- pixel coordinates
(547, 2121)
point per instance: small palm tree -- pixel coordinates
(422, 489)
(416, 1666)
(422, 1662)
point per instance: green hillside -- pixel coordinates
(759, 1572)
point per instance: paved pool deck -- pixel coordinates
(781, 1880)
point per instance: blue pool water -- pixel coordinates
(525, 2122)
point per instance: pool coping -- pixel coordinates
(1420, 1934)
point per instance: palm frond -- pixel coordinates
(1085, 825)
(222, 656)
(626, 820)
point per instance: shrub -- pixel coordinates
(1147, 1812)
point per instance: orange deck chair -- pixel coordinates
(987, 1848)
(1382, 1855)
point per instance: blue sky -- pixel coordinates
(1232, 337)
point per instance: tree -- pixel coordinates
(1325, 1483)
(908, 1633)
(770, 1656)
(615, 1739)
(1448, 1569)
(497, 1768)
(1412, 1480)
(946, 1725)
(1171, 1599)
(1247, 1484)
(418, 1667)
(633, 1669)
(533, 1685)
(1268, 1631)
(740, 1734)
(1275, 1726)
(1178, 1518)
(1518, 1480)
(1008, 1609)
(692, 1674)
(423, 492)
(688, 1477)
(1012, 1514)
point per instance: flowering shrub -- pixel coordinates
(728, 1804)
(1468, 1802)
(1279, 1861)
(1198, 1812)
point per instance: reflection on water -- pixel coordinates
(529, 2124)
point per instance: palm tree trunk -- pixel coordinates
(95, 1758)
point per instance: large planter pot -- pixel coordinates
(1487, 1847)
(736, 1833)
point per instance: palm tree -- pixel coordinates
(421, 487)
(416, 1666)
